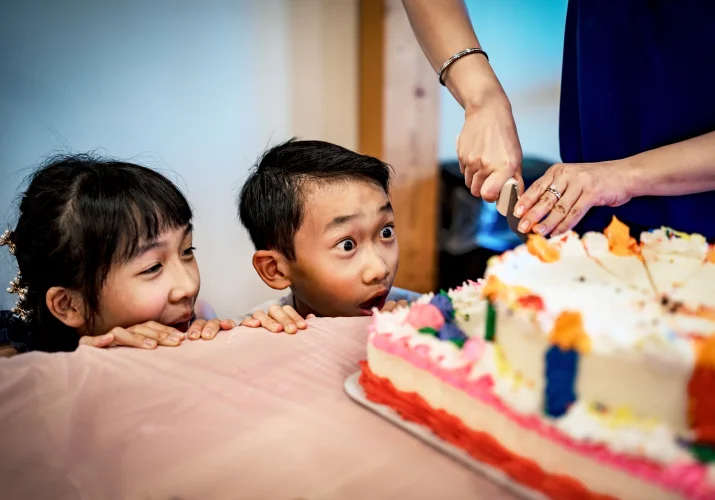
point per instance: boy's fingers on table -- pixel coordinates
(402, 303)
(280, 314)
(297, 318)
(267, 322)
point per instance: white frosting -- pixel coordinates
(693, 245)
(629, 436)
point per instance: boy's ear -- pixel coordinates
(273, 268)
(66, 305)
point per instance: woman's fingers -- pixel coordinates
(559, 211)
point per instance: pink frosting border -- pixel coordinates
(687, 478)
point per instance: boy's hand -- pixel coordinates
(146, 336)
(391, 305)
(207, 329)
(278, 319)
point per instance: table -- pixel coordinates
(248, 415)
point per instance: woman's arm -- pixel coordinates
(443, 28)
(685, 167)
(488, 147)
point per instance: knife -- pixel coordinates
(506, 202)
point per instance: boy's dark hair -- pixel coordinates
(271, 202)
(80, 215)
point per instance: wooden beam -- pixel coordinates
(399, 123)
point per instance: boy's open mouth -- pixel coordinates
(377, 300)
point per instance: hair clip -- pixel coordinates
(5, 240)
(21, 292)
(21, 313)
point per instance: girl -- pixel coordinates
(106, 258)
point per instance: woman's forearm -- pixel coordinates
(685, 167)
(443, 28)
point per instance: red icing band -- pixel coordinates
(479, 445)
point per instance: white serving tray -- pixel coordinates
(356, 392)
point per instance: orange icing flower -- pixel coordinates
(706, 353)
(568, 333)
(619, 237)
(495, 289)
(711, 255)
(539, 247)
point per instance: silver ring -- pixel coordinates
(552, 189)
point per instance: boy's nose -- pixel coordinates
(376, 271)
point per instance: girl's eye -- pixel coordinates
(347, 245)
(388, 232)
(153, 269)
(189, 251)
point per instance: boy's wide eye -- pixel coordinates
(347, 245)
(388, 232)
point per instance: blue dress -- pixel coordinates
(637, 75)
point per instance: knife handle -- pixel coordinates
(505, 195)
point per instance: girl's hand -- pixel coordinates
(278, 319)
(392, 305)
(207, 329)
(145, 336)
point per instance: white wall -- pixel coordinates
(197, 88)
(524, 40)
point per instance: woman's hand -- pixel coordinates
(145, 336)
(557, 201)
(278, 319)
(488, 149)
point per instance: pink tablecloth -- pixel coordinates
(249, 415)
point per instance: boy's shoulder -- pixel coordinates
(397, 294)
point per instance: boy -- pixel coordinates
(320, 218)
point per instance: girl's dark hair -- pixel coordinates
(80, 215)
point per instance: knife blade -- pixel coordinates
(506, 202)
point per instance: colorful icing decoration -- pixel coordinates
(620, 241)
(568, 333)
(444, 304)
(531, 301)
(452, 333)
(711, 255)
(473, 349)
(491, 324)
(569, 339)
(539, 247)
(425, 316)
(701, 404)
(561, 368)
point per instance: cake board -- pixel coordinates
(355, 391)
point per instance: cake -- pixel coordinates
(582, 367)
